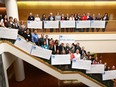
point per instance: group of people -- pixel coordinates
(48, 43)
(71, 17)
(75, 50)
(14, 23)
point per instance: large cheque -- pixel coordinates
(51, 24)
(67, 24)
(23, 44)
(8, 33)
(60, 59)
(81, 64)
(108, 75)
(97, 24)
(41, 52)
(82, 24)
(34, 24)
(96, 68)
(67, 39)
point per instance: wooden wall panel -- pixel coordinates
(25, 9)
(110, 58)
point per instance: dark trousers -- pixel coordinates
(92, 29)
(103, 30)
(62, 29)
(51, 30)
(97, 29)
(71, 30)
(57, 30)
(66, 29)
(87, 29)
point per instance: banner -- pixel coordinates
(109, 75)
(51, 24)
(60, 59)
(97, 24)
(67, 24)
(67, 39)
(41, 52)
(96, 68)
(23, 44)
(83, 24)
(8, 33)
(81, 64)
(34, 24)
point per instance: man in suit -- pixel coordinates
(67, 48)
(88, 18)
(51, 18)
(105, 18)
(77, 46)
(31, 17)
(61, 48)
(82, 52)
(47, 40)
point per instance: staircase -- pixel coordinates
(92, 80)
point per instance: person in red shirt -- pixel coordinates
(71, 55)
(84, 17)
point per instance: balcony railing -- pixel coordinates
(98, 77)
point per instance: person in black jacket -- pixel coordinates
(61, 48)
(10, 23)
(105, 18)
(31, 17)
(67, 48)
(27, 35)
(41, 40)
(51, 18)
(82, 52)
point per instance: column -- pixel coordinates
(19, 70)
(12, 10)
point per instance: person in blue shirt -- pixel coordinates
(35, 37)
(45, 45)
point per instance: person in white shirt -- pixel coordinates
(77, 55)
(72, 18)
(37, 18)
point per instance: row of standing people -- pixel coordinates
(71, 17)
(14, 23)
